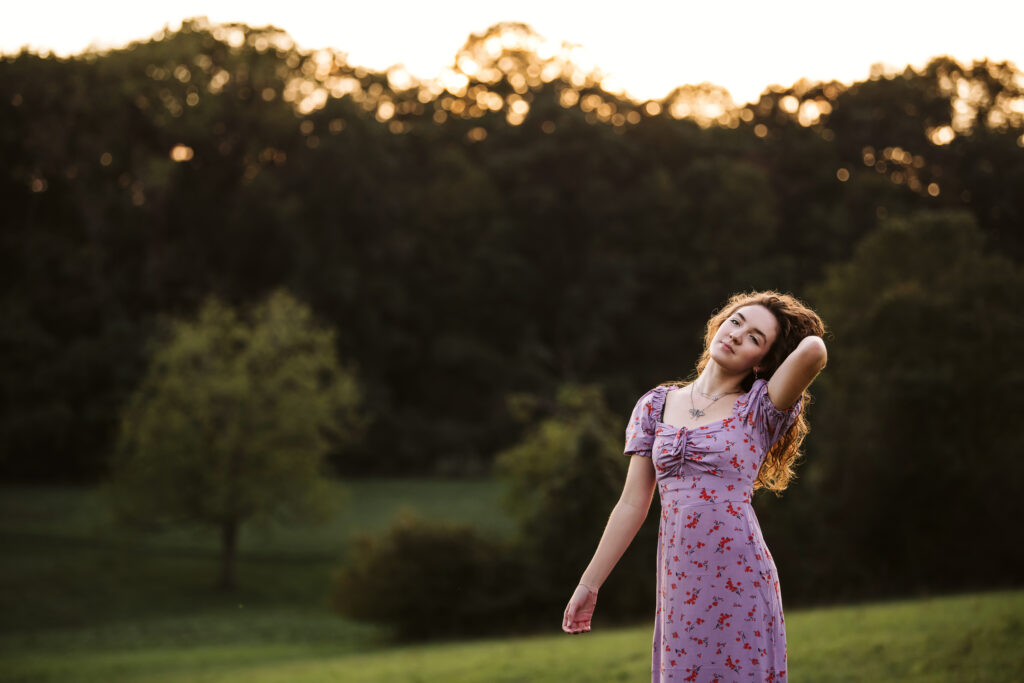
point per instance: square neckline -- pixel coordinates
(664, 399)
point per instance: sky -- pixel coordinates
(646, 48)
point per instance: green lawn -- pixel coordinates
(76, 569)
(81, 601)
(961, 638)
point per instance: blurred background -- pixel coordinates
(316, 363)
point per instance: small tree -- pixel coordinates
(232, 422)
(562, 482)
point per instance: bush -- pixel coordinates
(433, 579)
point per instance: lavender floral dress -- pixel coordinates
(719, 603)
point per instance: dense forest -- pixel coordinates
(479, 240)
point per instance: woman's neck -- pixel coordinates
(715, 380)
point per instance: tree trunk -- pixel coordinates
(228, 545)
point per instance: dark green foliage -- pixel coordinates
(916, 441)
(562, 482)
(433, 579)
(233, 421)
(470, 257)
(466, 257)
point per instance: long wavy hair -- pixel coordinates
(796, 321)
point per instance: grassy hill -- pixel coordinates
(82, 601)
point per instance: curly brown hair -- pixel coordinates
(796, 321)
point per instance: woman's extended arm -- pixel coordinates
(625, 521)
(797, 372)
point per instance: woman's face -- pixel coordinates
(744, 338)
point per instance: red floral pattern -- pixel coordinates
(719, 603)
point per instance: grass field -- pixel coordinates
(81, 601)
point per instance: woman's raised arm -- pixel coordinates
(797, 372)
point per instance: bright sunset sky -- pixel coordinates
(647, 47)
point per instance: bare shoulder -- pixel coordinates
(797, 372)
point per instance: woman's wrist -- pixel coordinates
(592, 590)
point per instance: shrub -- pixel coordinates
(432, 579)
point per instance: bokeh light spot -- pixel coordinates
(181, 153)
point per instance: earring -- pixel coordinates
(755, 373)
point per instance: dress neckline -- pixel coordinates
(661, 413)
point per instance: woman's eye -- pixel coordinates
(754, 339)
(733, 321)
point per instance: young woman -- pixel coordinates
(707, 446)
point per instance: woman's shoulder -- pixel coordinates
(752, 399)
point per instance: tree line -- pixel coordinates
(479, 242)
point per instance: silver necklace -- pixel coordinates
(696, 412)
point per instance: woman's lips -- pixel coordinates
(727, 347)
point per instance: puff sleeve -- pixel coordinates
(641, 426)
(767, 421)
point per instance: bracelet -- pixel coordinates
(588, 588)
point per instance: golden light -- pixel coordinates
(385, 110)
(789, 104)
(400, 79)
(680, 109)
(611, 84)
(941, 135)
(809, 113)
(106, 159)
(590, 102)
(761, 130)
(316, 100)
(181, 153)
(454, 82)
(933, 189)
(843, 175)
(550, 72)
(476, 134)
(467, 65)
(218, 80)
